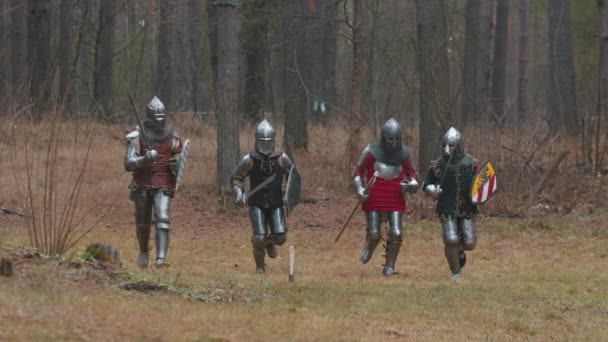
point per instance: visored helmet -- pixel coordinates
(155, 110)
(265, 137)
(452, 142)
(390, 134)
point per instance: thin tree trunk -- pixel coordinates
(295, 133)
(4, 55)
(485, 52)
(85, 60)
(603, 82)
(104, 53)
(18, 49)
(356, 110)
(164, 69)
(522, 88)
(561, 91)
(39, 54)
(195, 12)
(470, 105)
(254, 34)
(433, 71)
(499, 74)
(66, 46)
(329, 48)
(227, 96)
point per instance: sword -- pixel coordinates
(261, 185)
(141, 126)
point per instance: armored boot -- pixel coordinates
(258, 256)
(162, 246)
(392, 250)
(143, 236)
(452, 254)
(259, 242)
(368, 251)
(462, 258)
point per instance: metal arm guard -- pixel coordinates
(237, 179)
(132, 158)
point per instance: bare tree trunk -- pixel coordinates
(295, 133)
(470, 96)
(181, 61)
(18, 49)
(164, 69)
(433, 70)
(522, 88)
(104, 53)
(356, 110)
(329, 48)
(227, 96)
(195, 12)
(254, 35)
(499, 74)
(485, 52)
(39, 54)
(4, 55)
(85, 60)
(603, 18)
(561, 91)
(603, 83)
(66, 46)
(212, 27)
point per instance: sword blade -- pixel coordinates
(261, 185)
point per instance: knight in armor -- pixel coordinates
(264, 164)
(153, 153)
(384, 199)
(449, 182)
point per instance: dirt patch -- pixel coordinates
(144, 286)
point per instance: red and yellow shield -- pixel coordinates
(484, 183)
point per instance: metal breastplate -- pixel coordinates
(388, 171)
(455, 200)
(271, 195)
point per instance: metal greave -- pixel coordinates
(372, 237)
(451, 242)
(393, 245)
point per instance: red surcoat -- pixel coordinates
(384, 195)
(158, 175)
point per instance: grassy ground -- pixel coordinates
(542, 277)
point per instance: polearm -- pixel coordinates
(139, 122)
(369, 185)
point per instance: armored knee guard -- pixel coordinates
(274, 241)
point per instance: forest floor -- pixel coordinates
(542, 275)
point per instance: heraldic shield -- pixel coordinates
(484, 183)
(181, 168)
(291, 197)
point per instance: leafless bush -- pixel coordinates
(49, 163)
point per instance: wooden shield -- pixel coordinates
(484, 183)
(181, 168)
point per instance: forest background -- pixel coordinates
(525, 80)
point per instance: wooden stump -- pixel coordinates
(6, 267)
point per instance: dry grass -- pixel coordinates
(541, 277)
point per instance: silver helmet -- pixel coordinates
(264, 137)
(452, 142)
(390, 134)
(155, 110)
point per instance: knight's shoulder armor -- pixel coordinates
(133, 134)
